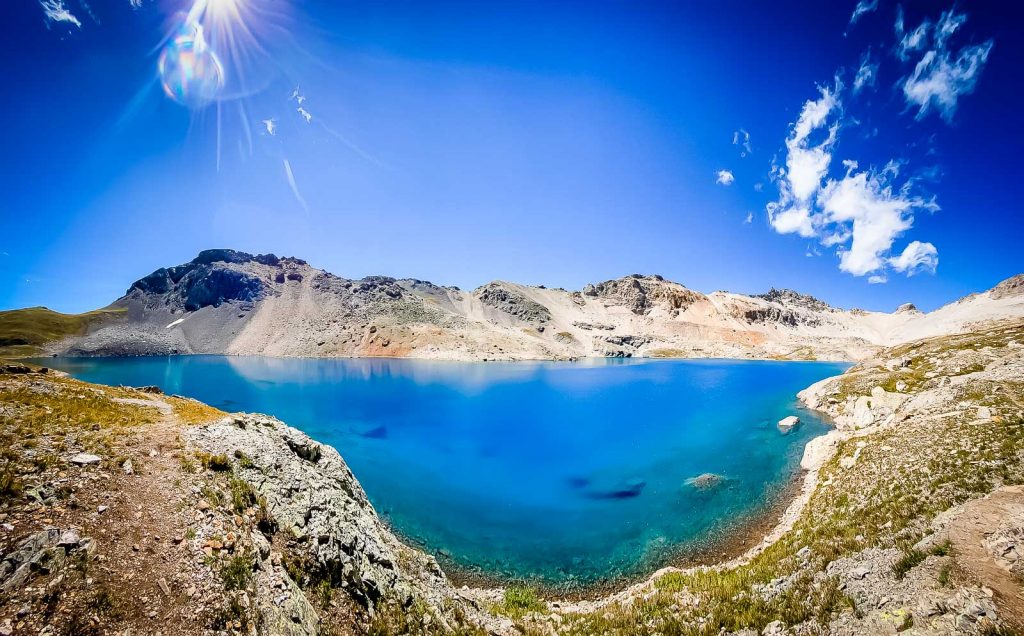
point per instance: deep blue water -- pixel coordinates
(558, 472)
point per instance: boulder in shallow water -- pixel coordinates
(787, 424)
(705, 481)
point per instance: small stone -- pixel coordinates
(69, 539)
(203, 505)
(84, 459)
(128, 467)
(136, 547)
(860, 572)
(774, 628)
(164, 587)
(103, 509)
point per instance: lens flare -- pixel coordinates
(190, 72)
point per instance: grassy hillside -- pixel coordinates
(24, 331)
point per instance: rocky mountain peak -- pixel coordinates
(1013, 286)
(642, 293)
(790, 297)
(907, 308)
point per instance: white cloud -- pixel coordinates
(742, 138)
(791, 220)
(861, 213)
(724, 177)
(878, 279)
(864, 207)
(305, 114)
(758, 187)
(748, 220)
(866, 73)
(864, 6)
(806, 164)
(939, 80)
(916, 257)
(55, 11)
(270, 125)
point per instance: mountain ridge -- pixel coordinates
(230, 302)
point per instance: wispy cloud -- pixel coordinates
(863, 7)
(724, 177)
(55, 11)
(749, 219)
(290, 176)
(270, 125)
(941, 76)
(866, 73)
(878, 279)
(741, 138)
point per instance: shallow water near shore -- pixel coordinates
(564, 474)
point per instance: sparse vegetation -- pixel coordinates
(910, 559)
(237, 572)
(519, 600)
(242, 494)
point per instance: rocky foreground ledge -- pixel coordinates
(125, 511)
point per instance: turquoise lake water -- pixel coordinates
(560, 473)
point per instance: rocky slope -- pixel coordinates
(235, 303)
(124, 511)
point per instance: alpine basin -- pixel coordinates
(560, 473)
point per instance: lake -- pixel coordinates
(555, 472)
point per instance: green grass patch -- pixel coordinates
(24, 331)
(237, 572)
(518, 601)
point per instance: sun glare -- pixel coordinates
(212, 43)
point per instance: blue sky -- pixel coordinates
(546, 143)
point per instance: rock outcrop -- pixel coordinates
(318, 509)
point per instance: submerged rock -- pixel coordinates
(705, 481)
